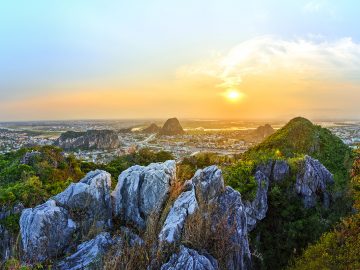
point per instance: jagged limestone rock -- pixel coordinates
(256, 210)
(231, 214)
(89, 200)
(281, 171)
(46, 231)
(183, 206)
(141, 191)
(209, 184)
(190, 259)
(88, 255)
(8, 238)
(312, 181)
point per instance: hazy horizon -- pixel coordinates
(74, 60)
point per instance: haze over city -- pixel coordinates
(190, 59)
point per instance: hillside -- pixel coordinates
(91, 139)
(172, 127)
(301, 137)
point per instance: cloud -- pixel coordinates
(321, 6)
(304, 59)
(314, 6)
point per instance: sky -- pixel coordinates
(233, 59)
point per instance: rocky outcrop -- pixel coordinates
(222, 210)
(91, 139)
(281, 171)
(153, 128)
(172, 127)
(231, 216)
(141, 191)
(29, 157)
(46, 231)
(184, 205)
(312, 182)
(275, 170)
(209, 184)
(88, 255)
(8, 238)
(256, 210)
(190, 259)
(89, 200)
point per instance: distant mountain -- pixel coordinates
(153, 128)
(301, 137)
(264, 131)
(172, 127)
(91, 139)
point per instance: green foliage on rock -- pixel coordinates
(289, 227)
(45, 173)
(240, 176)
(299, 137)
(339, 248)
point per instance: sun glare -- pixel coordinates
(233, 95)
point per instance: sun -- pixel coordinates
(233, 95)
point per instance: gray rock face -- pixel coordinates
(143, 190)
(231, 213)
(90, 197)
(280, 171)
(88, 255)
(183, 206)
(46, 231)
(256, 210)
(312, 181)
(190, 259)
(8, 239)
(91, 139)
(29, 156)
(209, 184)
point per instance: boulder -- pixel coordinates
(190, 259)
(88, 255)
(312, 182)
(89, 200)
(256, 210)
(230, 213)
(209, 184)
(141, 191)
(280, 171)
(46, 231)
(266, 168)
(183, 206)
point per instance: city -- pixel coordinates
(227, 139)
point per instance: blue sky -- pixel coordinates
(58, 46)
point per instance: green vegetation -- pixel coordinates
(11, 222)
(288, 227)
(240, 176)
(300, 137)
(340, 248)
(45, 173)
(189, 165)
